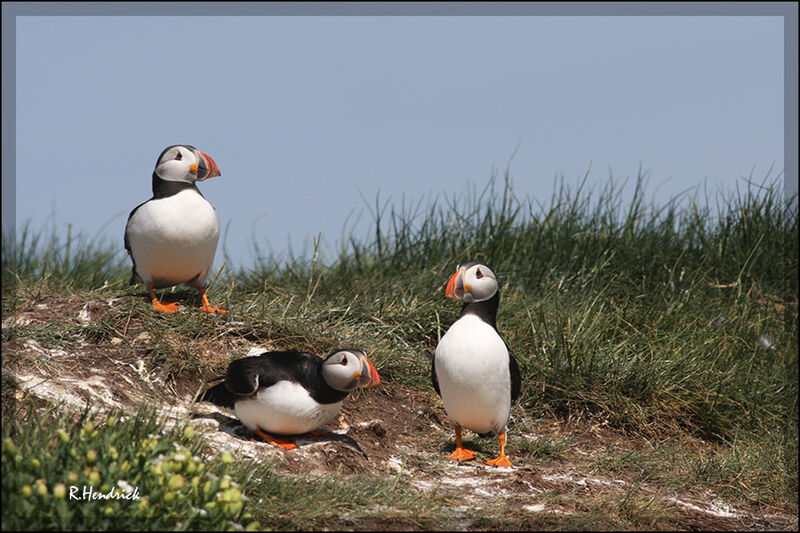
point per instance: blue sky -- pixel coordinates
(307, 116)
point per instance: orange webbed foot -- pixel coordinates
(166, 308)
(209, 309)
(500, 461)
(286, 444)
(462, 454)
(158, 306)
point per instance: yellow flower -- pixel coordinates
(63, 435)
(91, 456)
(188, 432)
(143, 503)
(253, 526)
(9, 447)
(72, 477)
(59, 491)
(41, 487)
(27, 491)
(111, 422)
(227, 458)
(35, 464)
(176, 482)
(112, 451)
(87, 428)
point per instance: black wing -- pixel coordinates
(434, 379)
(516, 376)
(247, 375)
(128, 245)
(218, 395)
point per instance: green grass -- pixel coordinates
(670, 320)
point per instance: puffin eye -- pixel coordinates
(179, 156)
(479, 274)
(344, 361)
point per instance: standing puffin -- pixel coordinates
(172, 237)
(472, 369)
(291, 393)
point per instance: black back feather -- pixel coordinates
(246, 376)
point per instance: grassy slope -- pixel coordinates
(663, 321)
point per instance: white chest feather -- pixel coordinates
(472, 367)
(174, 239)
(285, 408)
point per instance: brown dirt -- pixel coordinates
(385, 431)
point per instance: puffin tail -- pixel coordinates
(218, 395)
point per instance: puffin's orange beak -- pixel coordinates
(453, 285)
(207, 167)
(369, 376)
(374, 378)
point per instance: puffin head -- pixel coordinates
(182, 162)
(346, 370)
(472, 282)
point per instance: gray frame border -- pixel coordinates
(12, 10)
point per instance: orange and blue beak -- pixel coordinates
(368, 376)
(455, 286)
(206, 167)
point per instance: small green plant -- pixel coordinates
(114, 472)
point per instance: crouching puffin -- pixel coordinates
(172, 237)
(291, 393)
(472, 369)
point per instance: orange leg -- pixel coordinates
(158, 306)
(207, 305)
(461, 453)
(501, 460)
(286, 444)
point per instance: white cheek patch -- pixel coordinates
(175, 170)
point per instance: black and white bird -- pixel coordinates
(473, 370)
(172, 237)
(291, 393)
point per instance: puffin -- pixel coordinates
(172, 237)
(282, 394)
(472, 369)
